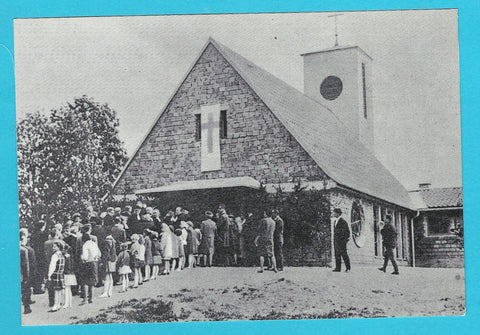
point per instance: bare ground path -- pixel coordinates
(300, 292)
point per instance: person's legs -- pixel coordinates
(167, 267)
(279, 257)
(51, 295)
(346, 259)
(68, 296)
(110, 285)
(90, 293)
(262, 261)
(147, 272)
(274, 263)
(190, 261)
(25, 298)
(338, 261)
(394, 263)
(135, 277)
(210, 259)
(105, 287)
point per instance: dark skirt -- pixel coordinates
(57, 281)
(137, 263)
(89, 273)
(207, 247)
(265, 247)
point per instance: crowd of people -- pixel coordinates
(130, 246)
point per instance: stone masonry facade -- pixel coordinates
(443, 252)
(257, 144)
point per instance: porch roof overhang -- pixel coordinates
(204, 184)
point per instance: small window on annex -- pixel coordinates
(440, 224)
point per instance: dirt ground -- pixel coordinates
(215, 293)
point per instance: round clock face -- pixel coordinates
(331, 87)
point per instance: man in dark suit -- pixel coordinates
(341, 235)
(278, 239)
(108, 220)
(389, 236)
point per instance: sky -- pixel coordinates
(135, 63)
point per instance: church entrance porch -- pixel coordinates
(306, 214)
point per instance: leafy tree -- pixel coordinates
(67, 160)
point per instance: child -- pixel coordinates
(181, 250)
(166, 247)
(141, 256)
(137, 263)
(109, 260)
(123, 262)
(56, 274)
(156, 254)
(148, 252)
(70, 279)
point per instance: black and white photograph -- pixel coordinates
(270, 166)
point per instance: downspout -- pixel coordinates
(413, 237)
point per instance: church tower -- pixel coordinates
(340, 79)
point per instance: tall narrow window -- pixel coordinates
(198, 127)
(223, 124)
(364, 91)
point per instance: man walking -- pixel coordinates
(389, 237)
(278, 239)
(341, 235)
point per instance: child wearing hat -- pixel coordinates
(123, 262)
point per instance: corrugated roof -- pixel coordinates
(341, 156)
(441, 197)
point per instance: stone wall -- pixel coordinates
(257, 145)
(441, 251)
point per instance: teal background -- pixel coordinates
(469, 33)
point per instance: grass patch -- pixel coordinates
(138, 311)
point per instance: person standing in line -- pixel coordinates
(38, 239)
(109, 258)
(225, 228)
(278, 239)
(166, 247)
(264, 241)
(49, 250)
(25, 274)
(89, 270)
(389, 237)
(56, 274)
(123, 261)
(193, 241)
(156, 255)
(70, 279)
(208, 231)
(148, 253)
(341, 235)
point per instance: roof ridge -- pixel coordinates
(222, 46)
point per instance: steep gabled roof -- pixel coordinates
(440, 197)
(326, 139)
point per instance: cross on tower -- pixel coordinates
(336, 31)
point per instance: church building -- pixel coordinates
(232, 125)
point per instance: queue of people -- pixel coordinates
(131, 246)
